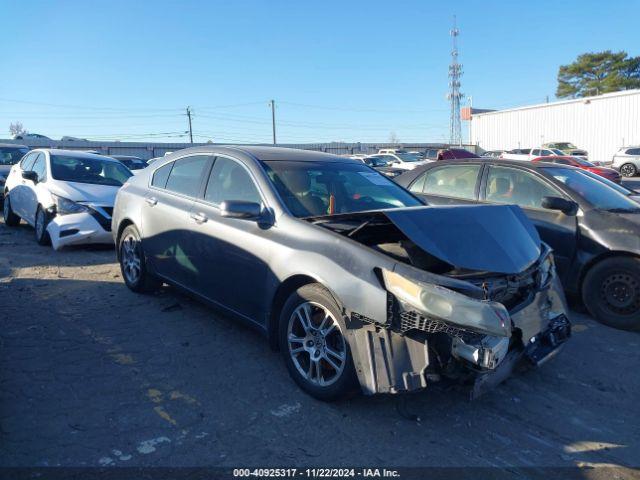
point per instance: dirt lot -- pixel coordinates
(94, 375)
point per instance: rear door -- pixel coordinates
(452, 184)
(525, 188)
(165, 216)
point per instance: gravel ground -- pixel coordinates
(94, 375)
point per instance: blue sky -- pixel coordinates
(338, 70)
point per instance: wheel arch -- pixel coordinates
(124, 223)
(598, 259)
(284, 290)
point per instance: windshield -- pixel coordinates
(408, 157)
(581, 162)
(11, 155)
(317, 188)
(133, 164)
(606, 181)
(376, 162)
(567, 145)
(88, 170)
(595, 192)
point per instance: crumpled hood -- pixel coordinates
(85, 192)
(494, 238)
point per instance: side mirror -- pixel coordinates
(562, 204)
(241, 209)
(30, 175)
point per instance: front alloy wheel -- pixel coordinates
(313, 342)
(42, 220)
(316, 344)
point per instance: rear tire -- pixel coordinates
(611, 292)
(42, 220)
(628, 170)
(132, 263)
(313, 342)
(10, 218)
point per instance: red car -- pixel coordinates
(608, 173)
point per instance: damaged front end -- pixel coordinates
(459, 324)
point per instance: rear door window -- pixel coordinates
(457, 181)
(161, 175)
(633, 151)
(186, 175)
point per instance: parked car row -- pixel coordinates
(453, 272)
(626, 160)
(357, 282)
(592, 224)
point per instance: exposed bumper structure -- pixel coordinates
(76, 229)
(416, 347)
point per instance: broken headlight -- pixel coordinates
(64, 206)
(452, 307)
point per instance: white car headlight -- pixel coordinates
(64, 206)
(452, 307)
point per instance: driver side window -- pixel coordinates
(513, 186)
(230, 181)
(40, 167)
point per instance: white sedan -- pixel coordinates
(67, 196)
(401, 160)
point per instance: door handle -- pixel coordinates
(199, 217)
(152, 201)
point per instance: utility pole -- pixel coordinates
(190, 129)
(273, 119)
(454, 96)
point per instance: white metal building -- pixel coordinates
(600, 125)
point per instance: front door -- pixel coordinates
(520, 187)
(230, 253)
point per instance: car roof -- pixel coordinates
(267, 153)
(511, 163)
(12, 145)
(75, 153)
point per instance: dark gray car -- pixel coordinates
(348, 274)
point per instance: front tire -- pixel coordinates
(628, 170)
(42, 220)
(611, 292)
(312, 337)
(132, 263)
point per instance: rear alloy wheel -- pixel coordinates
(132, 263)
(42, 220)
(10, 218)
(313, 342)
(628, 170)
(611, 292)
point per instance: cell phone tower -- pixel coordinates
(454, 95)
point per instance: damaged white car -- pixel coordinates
(356, 281)
(67, 196)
